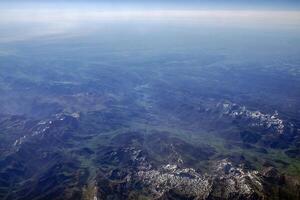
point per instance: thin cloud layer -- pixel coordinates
(69, 15)
(54, 21)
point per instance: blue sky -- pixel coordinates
(183, 4)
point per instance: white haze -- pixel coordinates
(19, 24)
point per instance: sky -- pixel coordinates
(167, 4)
(278, 10)
(56, 16)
